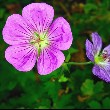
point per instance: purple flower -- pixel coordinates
(33, 37)
(101, 59)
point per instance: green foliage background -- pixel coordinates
(69, 86)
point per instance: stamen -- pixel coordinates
(105, 52)
(39, 41)
(106, 56)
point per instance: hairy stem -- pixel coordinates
(79, 63)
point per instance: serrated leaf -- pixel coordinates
(87, 87)
(88, 7)
(63, 101)
(106, 103)
(94, 105)
(63, 79)
(98, 87)
(52, 88)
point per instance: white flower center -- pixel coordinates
(40, 41)
(104, 57)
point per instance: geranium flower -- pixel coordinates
(101, 59)
(33, 37)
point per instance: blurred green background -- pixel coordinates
(69, 86)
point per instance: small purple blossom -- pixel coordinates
(101, 59)
(33, 37)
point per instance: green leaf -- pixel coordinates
(2, 12)
(66, 67)
(11, 85)
(87, 87)
(106, 103)
(94, 105)
(44, 103)
(88, 7)
(72, 50)
(52, 87)
(63, 101)
(69, 52)
(98, 87)
(68, 57)
(42, 107)
(63, 79)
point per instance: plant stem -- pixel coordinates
(79, 63)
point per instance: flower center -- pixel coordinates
(98, 59)
(104, 57)
(39, 41)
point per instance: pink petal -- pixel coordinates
(49, 60)
(89, 50)
(22, 57)
(60, 34)
(38, 16)
(16, 30)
